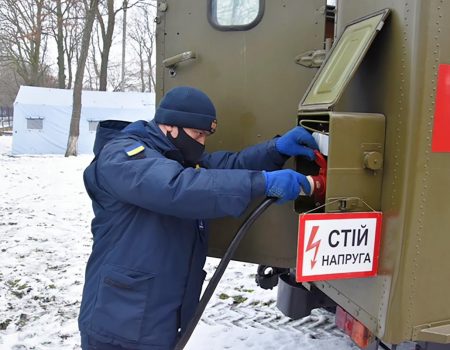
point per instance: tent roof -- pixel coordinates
(30, 95)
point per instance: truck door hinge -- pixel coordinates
(311, 59)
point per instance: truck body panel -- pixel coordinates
(252, 77)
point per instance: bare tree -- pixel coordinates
(124, 42)
(92, 68)
(59, 10)
(73, 31)
(107, 17)
(115, 80)
(91, 10)
(107, 38)
(142, 35)
(66, 20)
(10, 82)
(60, 44)
(23, 38)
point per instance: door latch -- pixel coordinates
(172, 62)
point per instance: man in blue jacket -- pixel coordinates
(153, 188)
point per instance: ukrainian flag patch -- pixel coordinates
(134, 149)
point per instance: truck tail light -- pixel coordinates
(359, 333)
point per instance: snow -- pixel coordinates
(44, 245)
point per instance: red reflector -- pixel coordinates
(349, 325)
(359, 333)
(441, 128)
(340, 318)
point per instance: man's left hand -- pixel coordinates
(297, 142)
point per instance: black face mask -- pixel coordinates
(190, 149)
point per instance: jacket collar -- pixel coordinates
(152, 135)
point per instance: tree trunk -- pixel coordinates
(60, 46)
(69, 69)
(124, 38)
(78, 85)
(36, 45)
(142, 69)
(107, 42)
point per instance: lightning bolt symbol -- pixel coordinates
(313, 245)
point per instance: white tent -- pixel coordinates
(42, 117)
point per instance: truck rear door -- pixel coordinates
(242, 53)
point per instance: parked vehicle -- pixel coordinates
(380, 95)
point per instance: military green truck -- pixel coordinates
(373, 77)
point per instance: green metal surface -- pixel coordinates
(342, 62)
(255, 83)
(352, 136)
(398, 79)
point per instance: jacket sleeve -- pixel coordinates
(263, 156)
(162, 185)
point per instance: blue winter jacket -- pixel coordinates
(145, 272)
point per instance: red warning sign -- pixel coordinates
(338, 245)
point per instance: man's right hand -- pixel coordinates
(285, 184)
(297, 142)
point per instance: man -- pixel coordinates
(153, 187)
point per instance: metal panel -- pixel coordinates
(352, 137)
(342, 62)
(255, 84)
(398, 78)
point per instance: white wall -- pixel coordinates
(55, 107)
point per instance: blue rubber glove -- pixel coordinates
(285, 184)
(297, 142)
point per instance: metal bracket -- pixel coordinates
(343, 204)
(438, 332)
(311, 59)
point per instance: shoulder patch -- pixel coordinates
(134, 149)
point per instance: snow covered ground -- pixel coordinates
(45, 242)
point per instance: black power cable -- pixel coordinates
(255, 214)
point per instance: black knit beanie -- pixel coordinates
(187, 107)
